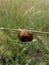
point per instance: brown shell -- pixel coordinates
(25, 35)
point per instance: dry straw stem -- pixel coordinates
(33, 31)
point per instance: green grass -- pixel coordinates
(13, 15)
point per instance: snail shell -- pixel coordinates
(25, 35)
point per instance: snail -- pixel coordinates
(25, 35)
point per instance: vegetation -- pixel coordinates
(30, 14)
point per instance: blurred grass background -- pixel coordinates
(30, 14)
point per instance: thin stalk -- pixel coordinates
(33, 31)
